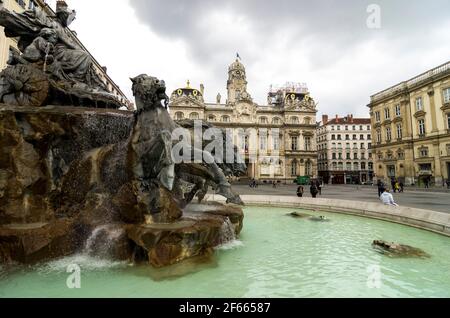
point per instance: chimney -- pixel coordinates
(202, 89)
(324, 119)
(337, 119)
(351, 118)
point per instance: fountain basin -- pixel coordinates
(276, 256)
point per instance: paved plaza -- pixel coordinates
(432, 199)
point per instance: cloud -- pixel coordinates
(324, 43)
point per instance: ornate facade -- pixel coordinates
(276, 140)
(8, 44)
(411, 129)
(344, 147)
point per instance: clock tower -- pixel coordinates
(237, 83)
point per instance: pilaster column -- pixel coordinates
(434, 127)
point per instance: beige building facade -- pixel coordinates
(411, 129)
(7, 44)
(344, 146)
(277, 140)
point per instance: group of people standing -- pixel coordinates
(315, 189)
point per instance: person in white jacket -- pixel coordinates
(387, 198)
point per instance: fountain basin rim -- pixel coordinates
(437, 222)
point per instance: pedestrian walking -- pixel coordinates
(314, 191)
(300, 191)
(402, 187)
(381, 187)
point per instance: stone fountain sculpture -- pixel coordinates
(52, 68)
(75, 178)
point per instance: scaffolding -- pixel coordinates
(289, 87)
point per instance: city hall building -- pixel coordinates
(277, 140)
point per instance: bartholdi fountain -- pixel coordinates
(77, 174)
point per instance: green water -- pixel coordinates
(277, 256)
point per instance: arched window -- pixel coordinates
(307, 121)
(194, 116)
(179, 116)
(294, 120)
(263, 120)
(226, 119)
(212, 118)
(276, 121)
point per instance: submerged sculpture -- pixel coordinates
(52, 68)
(398, 250)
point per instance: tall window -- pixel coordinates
(363, 166)
(294, 120)
(361, 137)
(388, 134)
(377, 116)
(294, 144)
(263, 120)
(225, 119)
(448, 121)
(398, 111)
(447, 95)
(419, 104)
(307, 143)
(276, 121)
(179, 116)
(308, 168)
(294, 168)
(379, 136)
(399, 131)
(422, 127)
(387, 113)
(276, 142)
(347, 137)
(263, 142)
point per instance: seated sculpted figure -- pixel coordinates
(76, 63)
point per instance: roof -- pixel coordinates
(346, 121)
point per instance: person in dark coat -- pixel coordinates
(314, 190)
(381, 188)
(300, 191)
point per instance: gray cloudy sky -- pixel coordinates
(326, 44)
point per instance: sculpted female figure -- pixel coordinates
(76, 63)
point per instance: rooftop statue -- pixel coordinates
(51, 68)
